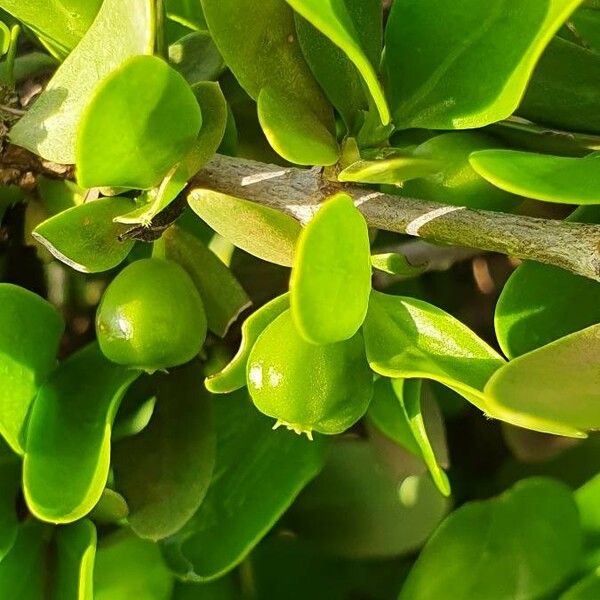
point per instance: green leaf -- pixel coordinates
(140, 121)
(563, 91)
(196, 57)
(258, 474)
(22, 570)
(59, 195)
(554, 389)
(4, 38)
(61, 22)
(85, 237)
(334, 20)
(462, 81)
(129, 567)
(588, 503)
(409, 338)
(123, 28)
(399, 415)
(10, 484)
(560, 179)
(214, 110)
(483, 549)
(68, 441)
(356, 509)
(259, 45)
(537, 303)
(76, 550)
(30, 331)
(164, 471)
(233, 376)
(111, 507)
(587, 24)
(393, 171)
(259, 230)
(397, 264)
(293, 131)
(331, 277)
(223, 297)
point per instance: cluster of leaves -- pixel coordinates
(138, 455)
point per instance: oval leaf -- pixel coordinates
(483, 548)
(554, 389)
(122, 29)
(259, 230)
(461, 81)
(141, 120)
(68, 440)
(30, 331)
(541, 176)
(165, 470)
(85, 238)
(331, 277)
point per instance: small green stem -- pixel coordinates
(11, 56)
(161, 47)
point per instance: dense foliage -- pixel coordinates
(224, 379)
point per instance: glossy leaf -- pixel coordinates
(537, 303)
(22, 570)
(196, 57)
(334, 20)
(68, 440)
(258, 474)
(186, 12)
(76, 550)
(259, 230)
(308, 387)
(123, 28)
(164, 471)
(301, 139)
(111, 508)
(541, 176)
(335, 72)
(461, 81)
(484, 547)
(331, 276)
(85, 237)
(30, 331)
(233, 375)
(258, 42)
(223, 297)
(61, 22)
(393, 171)
(538, 390)
(214, 110)
(140, 121)
(409, 338)
(356, 489)
(129, 567)
(396, 264)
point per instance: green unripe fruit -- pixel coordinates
(308, 387)
(151, 316)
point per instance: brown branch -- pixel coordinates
(298, 192)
